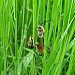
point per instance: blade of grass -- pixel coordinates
(25, 61)
(16, 46)
(5, 35)
(42, 11)
(60, 60)
(34, 23)
(71, 61)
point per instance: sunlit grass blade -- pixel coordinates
(71, 61)
(34, 25)
(25, 61)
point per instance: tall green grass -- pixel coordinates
(19, 20)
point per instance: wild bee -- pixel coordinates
(40, 32)
(30, 42)
(40, 48)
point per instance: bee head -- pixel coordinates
(40, 28)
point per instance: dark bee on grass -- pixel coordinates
(39, 46)
(30, 42)
(40, 32)
(39, 49)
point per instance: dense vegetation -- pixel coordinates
(18, 18)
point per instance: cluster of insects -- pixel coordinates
(38, 45)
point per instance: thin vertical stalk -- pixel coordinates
(23, 19)
(42, 11)
(16, 50)
(34, 23)
(5, 38)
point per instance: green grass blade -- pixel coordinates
(71, 61)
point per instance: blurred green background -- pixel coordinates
(19, 20)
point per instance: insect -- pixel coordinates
(40, 48)
(40, 32)
(30, 42)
